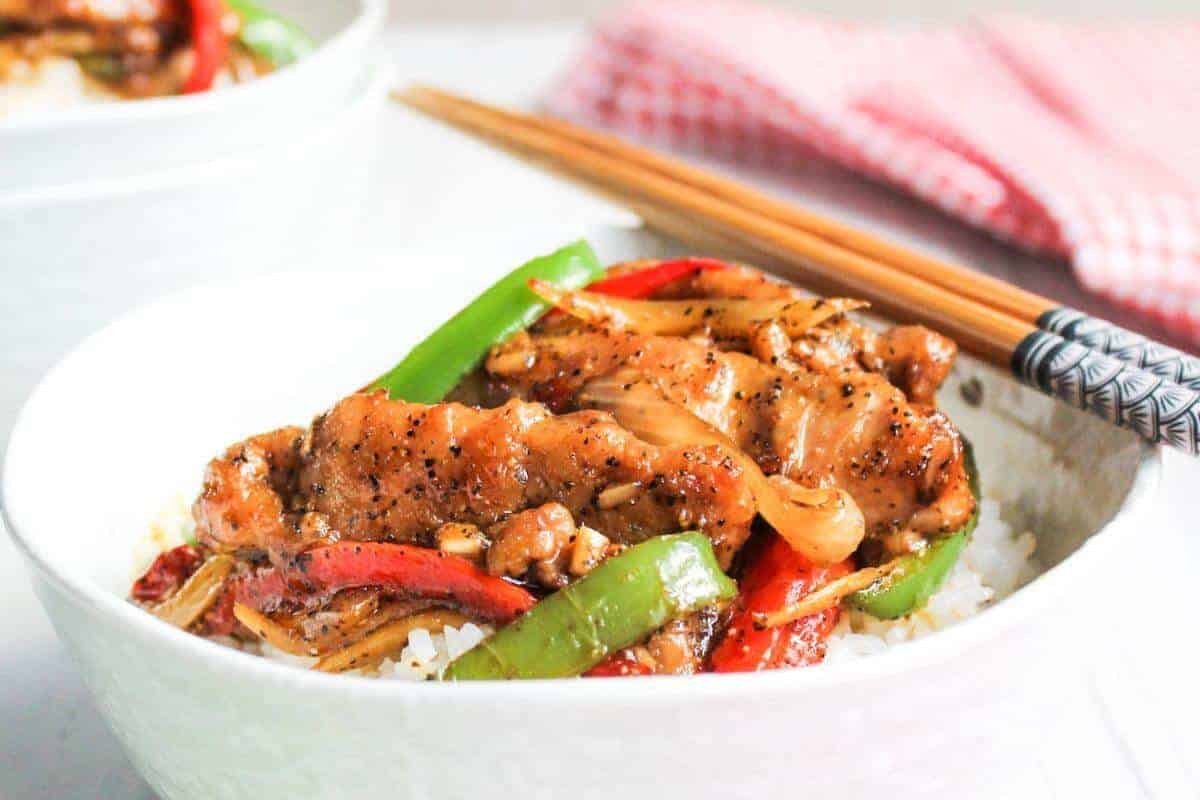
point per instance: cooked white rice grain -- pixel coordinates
(172, 527)
(994, 564)
(427, 655)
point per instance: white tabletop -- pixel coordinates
(1122, 710)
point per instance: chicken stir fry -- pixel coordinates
(683, 467)
(147, 48)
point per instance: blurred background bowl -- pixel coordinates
(122, 139)
(253, 212)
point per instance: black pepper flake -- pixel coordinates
(972, 392)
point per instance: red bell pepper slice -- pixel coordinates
(219, 620)
(645, 282)
(400, 568)
(777, 578)
(168, 572)
(620, 664)
(208, 44)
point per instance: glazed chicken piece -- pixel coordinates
(545, 545)
(849, 429)
(538, 539)
(77, 27)
(374, 469)
(247, 493)
(40, 13)
(680, 647)
(380, 469)
(914, 359)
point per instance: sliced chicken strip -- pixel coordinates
(915, 359)
(850, 430)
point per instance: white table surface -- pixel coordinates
(1122, 708)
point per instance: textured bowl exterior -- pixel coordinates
(119, 140)
(193, 223)
(205, 723)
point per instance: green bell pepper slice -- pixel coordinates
(436, 365)
(104, 66)
(614, 606)
(910, 585)
(266, 33)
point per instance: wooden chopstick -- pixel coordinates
(987, 333)
(675, 199)
(1040, 311)
(961, 280)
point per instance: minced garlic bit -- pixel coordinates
(590, 549)
(460, 539)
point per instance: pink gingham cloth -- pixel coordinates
(1078, 141)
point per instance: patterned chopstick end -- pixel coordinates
(1152, 405)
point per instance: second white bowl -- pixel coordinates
(61, 249)
(116, 140)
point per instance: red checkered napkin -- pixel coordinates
(1079, 141)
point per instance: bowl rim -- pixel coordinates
(365, 24)
(369, 87)
(22, 522)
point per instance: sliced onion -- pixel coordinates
(373, 648)
(827, 596)
(278, 636)
(197, 594)
(823, 525)
(724, 317)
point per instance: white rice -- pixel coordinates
(48, 84)
(425, 656)
(57, 83)
(171, 527)
(994, 564)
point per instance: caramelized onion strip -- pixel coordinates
(724, 317)
(197, 594)
(823, 525)
(373, 648)
(278, 636)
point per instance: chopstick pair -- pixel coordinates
(1090, 363)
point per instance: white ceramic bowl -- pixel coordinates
(115, 140)
(130, 417)
(241, 215)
